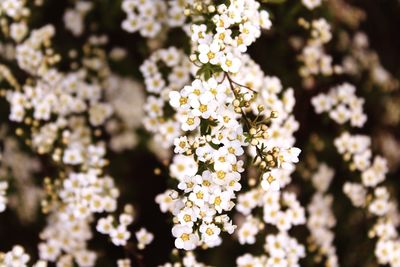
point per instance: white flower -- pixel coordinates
(185, 239)
(105, 225)
(229, 63)
(247, 232)
(16, 257)
(165, 200)
(199, 196)
(18, 31)
(120, 235)
(209, 53)
(187, 216)
(210, 234)
(265, 21)
(288, 156)
(144, 238)
(49, 251)
(125, 219)
(181, 144)
(183, 166)
(85, 258)
(269, 182)
(72, 156)
(221, 200)
(321, 103)
(199, 33)
(178, 99)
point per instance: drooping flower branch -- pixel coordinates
(60, 114)
(356, 151)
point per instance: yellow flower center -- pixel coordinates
(182, 144)
(185, 237)
(221, 174)
(199, 195)
(183, 100)
(203, 108)
(209, 231)
(190, 121)
(187, 218)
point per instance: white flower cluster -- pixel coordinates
(151, 17)
(64, 112)
(282, 251)
(14, 8)
(356, 150)
(234, 28)
(165, 71)
(14, 258)
(207, 163)
(375, 199)
(54, 92)
(342, 105)
(74, 18)
(17, 12)
(127, 99)
(280, 210)
(314, 58)
(117, 230)
(281, 130)
(321, 219)
(25, 195)
(81, 195)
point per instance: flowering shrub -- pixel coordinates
(172, 133)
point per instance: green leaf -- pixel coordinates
(203, 127)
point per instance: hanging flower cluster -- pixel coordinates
(151, 17)
(282, 211)
(279, 209)
(63, 112)
(321, 219)
(315, 60)
(369, 194)
(165, 71)
(126, 98)
(207, 165)
(18, 178)
(342, 104)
